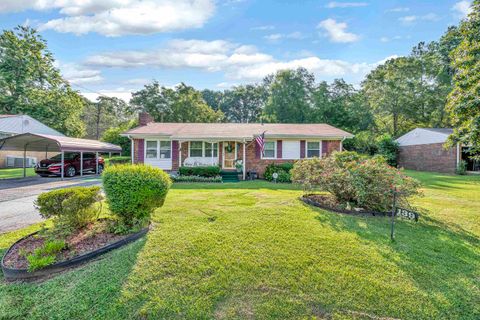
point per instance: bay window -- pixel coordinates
(203, 149)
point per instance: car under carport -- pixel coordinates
(47, 143)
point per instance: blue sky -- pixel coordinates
(114, 47)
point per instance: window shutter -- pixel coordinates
(324, 148)
(302, 149)
(140, 150)
(279, 149)
(257, 151)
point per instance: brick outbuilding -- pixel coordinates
(424, 149)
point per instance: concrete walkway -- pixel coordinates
(17, 197)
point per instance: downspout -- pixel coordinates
(341, 143)
(131, 148)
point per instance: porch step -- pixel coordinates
(229, 176)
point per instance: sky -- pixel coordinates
(115, 47)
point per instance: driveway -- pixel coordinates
(17, 197)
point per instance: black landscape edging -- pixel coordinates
(13, 274)
(306, 200)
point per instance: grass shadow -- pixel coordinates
(79, 293)
(443, 262)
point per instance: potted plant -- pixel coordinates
(239, 165)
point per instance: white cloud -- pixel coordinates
(77, 74)
(398, 9)
(119, 17)
(297, 35)
(122, 93)
(336, 31)
(334, 4)
(462, 8)
(237, 62)
(409, 20)
(263, 28)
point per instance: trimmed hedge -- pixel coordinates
(71, 207)
(118, 160)
(207, 171)
(135, 191)
(283, 170)
(217, 179)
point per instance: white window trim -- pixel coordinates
(158, 149)
(320, 146)
(204, 143)
(274, 151)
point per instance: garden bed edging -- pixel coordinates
(14, 274)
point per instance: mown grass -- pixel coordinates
(15, 173)
(253, 250)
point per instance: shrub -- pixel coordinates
(45, 255)
(388, 148)
(207, 171)
(70, 207)
(117, 160)
(216, 179)
(367, 183)
(134, 191)
(281, 169)
(461, 168)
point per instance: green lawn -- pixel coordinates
(15, 173)
(253, 250)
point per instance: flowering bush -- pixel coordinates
(349, 177)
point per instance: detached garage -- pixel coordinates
(423, 149)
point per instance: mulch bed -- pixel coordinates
(328, 202)
(79, 242)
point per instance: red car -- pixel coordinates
(53, 165)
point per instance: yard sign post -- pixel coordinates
(392, 237)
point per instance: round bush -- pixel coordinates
(70, 207)
(134, 191)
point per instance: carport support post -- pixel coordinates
(81, 163)
(244, 162)
(62, 170)
(96, 162)
(25, 160)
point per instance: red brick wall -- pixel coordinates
(428, 157)
(138, 150)
(259, 165)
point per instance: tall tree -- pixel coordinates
(389, 90)
(106, 112)
(464, 100)
(341, 105)
(243, 103)
(181, 104)
(30, 83)
(290, 96)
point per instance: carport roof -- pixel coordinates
(43, 142)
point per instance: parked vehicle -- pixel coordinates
(53, 166)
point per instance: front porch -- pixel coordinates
(229, 155)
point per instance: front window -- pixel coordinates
(165, 150)
(151, 150)
(196, 149)
(269, 150)
(208, 149)
(313, 149)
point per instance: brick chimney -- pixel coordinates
(144, 118)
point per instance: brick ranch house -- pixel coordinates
(423, 149)
(171, 145)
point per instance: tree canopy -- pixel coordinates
(31, 84)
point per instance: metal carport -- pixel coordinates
(42, 142)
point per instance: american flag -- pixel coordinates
(261, 142)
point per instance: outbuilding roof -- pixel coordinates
(238, 130)
(42, 142)
(11, 124)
